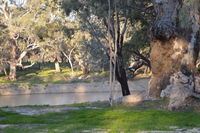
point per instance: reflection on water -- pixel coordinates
(53, 99)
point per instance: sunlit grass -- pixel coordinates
(42, 76)
(143, 75)
(49, 75)
(112, 119)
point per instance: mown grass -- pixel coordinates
(48, 75)
(111, 119)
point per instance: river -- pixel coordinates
(53, 99)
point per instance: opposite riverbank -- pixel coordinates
(80, 87)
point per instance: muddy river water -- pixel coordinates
(53, 99)
(59, 94)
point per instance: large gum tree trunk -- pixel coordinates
(172, 56)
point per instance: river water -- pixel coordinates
(53, 99)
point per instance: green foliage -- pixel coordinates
(139, 40)
(138, 13)
(82, 29)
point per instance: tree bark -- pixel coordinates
(4, 68)
(12, 73)
(85, 70)
(120, 71)
(116, 40)
(172, 56)
(164, 33)
(121, 76)
(5, 71)
(57, 65)
(12, 62)
(69, 59)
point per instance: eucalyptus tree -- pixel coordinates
(122, 15)
(52, 29)
(90, 44)
(112, 23)
(18, 41)
(174, 50)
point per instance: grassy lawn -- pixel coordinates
(128, 119)
(48, 75)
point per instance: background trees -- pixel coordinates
(77, 32)
(112, 25)
(17, 41)
(31, 28)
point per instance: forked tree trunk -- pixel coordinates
(172, 56)
(116, 40)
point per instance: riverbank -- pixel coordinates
(145, 117)
(80, 87)
(60, 94)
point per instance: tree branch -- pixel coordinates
(123, 32)
(28, 66)
(148, 63)
(29, 48)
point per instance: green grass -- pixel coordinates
(48, 75)
(112, 119)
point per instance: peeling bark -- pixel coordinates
(166, 18)
(173, 57)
